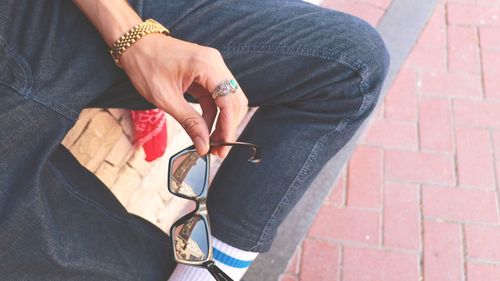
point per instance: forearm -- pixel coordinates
(112, 18)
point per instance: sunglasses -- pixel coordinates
(188, 179)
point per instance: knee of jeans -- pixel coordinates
(360, 64)
(372, 53)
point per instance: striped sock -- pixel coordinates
(233, 261)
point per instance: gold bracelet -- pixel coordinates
(149, 26)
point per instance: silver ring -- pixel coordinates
(226, 87)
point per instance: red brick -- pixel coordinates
(434, 33)
(337, 194)
(428, 57)
(401, 216)
(293, 266)
(473, 14)
(346, 224)
(442, 255)
(491, 70)
(482, 272)
(288, 277)
(384, 4)
(364, 178)
(483, 242)
(320, 261)
(393, 134)
(463, 49)
(430, 50)
(459, 204)
(419, 167)
(496, 143)
(363, 264)
(486, 2)
(476, 113)
(450, 84)
(365, 11)
(498, 169)
(489, 37)
(435, 125)
(474, 158)
(401, 101)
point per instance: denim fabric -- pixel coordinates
(315, 74)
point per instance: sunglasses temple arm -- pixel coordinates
(255, 158)
(217, 273)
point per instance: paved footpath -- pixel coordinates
(419, 199)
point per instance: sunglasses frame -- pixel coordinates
(201, 207)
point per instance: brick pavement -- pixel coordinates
(419, 200)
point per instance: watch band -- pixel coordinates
(148, 26)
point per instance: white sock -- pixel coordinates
(233, 261)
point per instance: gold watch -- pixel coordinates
(148, 26)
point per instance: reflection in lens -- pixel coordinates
(191, 240)
(188, 174)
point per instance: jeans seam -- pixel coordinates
(293, 187)
(366, 100)
(26, 91)
(304, 169)
(23, 65)
(354, 65)
(59, 108)
(96, 206)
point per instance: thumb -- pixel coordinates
(194, 125)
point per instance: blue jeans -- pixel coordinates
(315, 74)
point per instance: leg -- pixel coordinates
(45, 86)
(57, 220)
(316, 75)
(324, 76)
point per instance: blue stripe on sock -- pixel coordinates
(228, 260)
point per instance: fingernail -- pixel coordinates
(200, 144)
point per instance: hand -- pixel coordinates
(163, 68)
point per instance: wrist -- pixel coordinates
(112, 18)
(133, 35)
(121, 26)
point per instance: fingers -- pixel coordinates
(194, 125)
(164, 68)
(208, 106)
(209, 110)
(225, 131)
(231, 106)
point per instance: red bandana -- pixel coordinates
(150, 131)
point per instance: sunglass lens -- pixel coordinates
(188, 174)
(191, 240)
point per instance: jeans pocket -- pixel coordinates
(14, 71)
